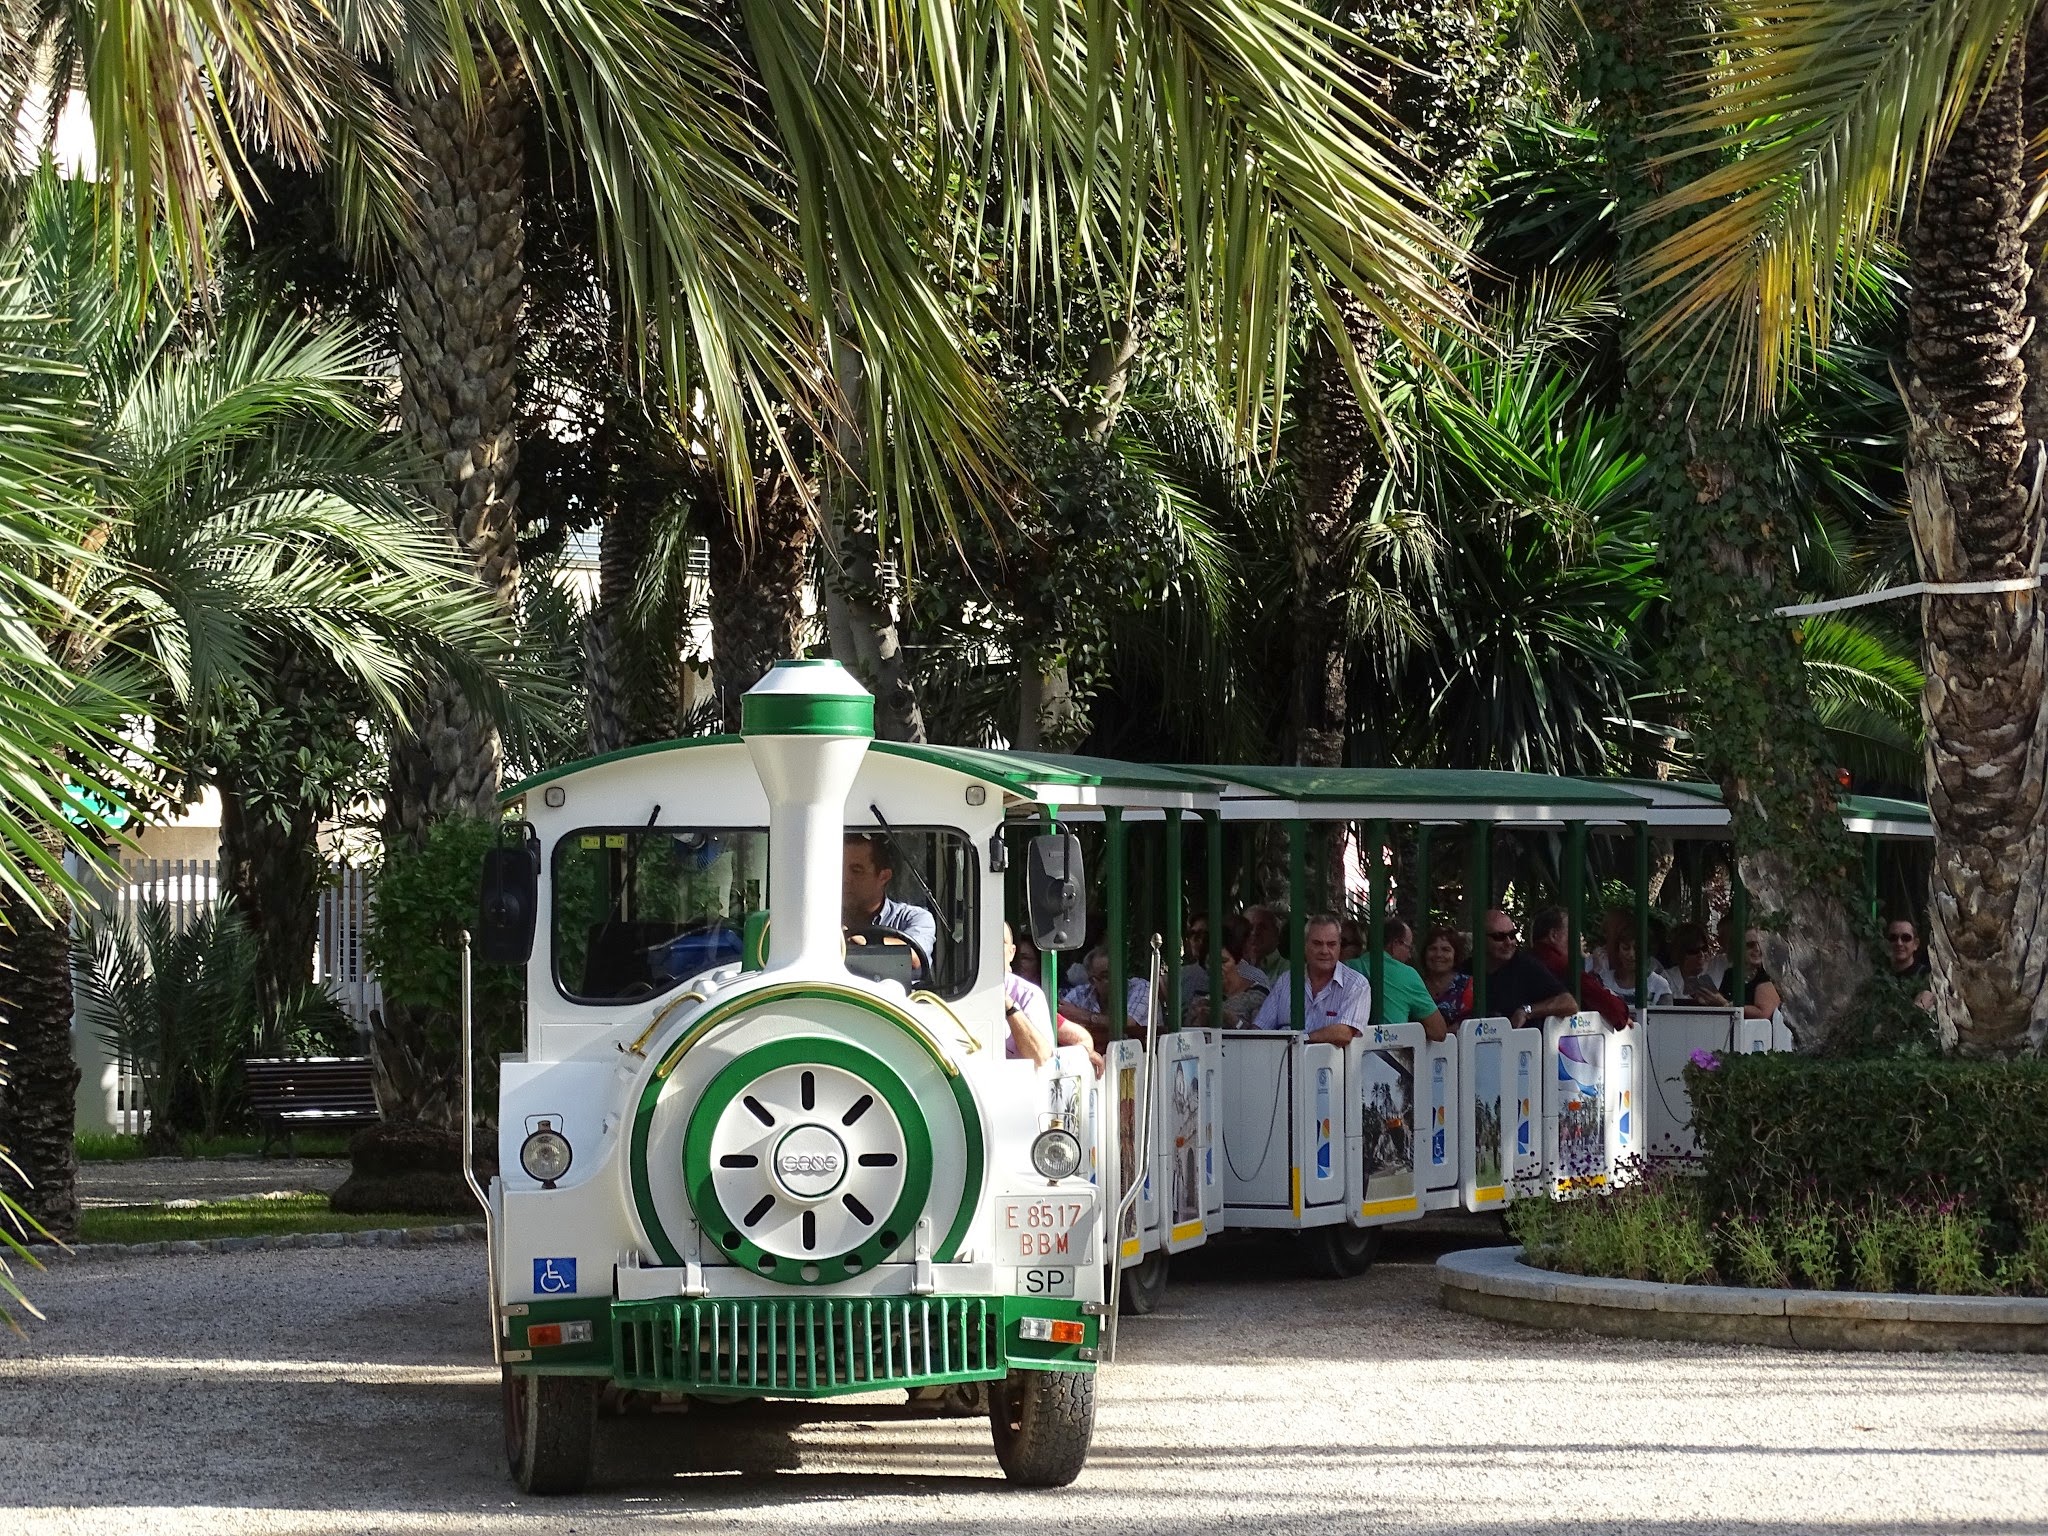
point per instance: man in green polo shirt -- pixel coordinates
(1402, 997)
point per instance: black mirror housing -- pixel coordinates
(508, 898)
(1056, 887)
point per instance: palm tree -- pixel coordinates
(1840, 128)
(246, 520)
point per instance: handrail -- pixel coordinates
(660, 1016)
(469, 1151)
(966, 1035)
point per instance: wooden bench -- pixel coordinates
(310, 1093)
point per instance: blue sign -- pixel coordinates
(554, 1277)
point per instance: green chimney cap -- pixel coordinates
(807, 698)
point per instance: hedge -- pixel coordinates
(1900, 1128)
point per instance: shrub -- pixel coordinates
(1777, 1127)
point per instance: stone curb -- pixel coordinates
(375, 1237)
(1495, 1283)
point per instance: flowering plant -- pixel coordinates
(1706, 1061)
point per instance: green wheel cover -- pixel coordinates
(718, 1224)
(728, 1009)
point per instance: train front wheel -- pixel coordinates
(1144, 1285)
(550, 1430)
(1044, 1422)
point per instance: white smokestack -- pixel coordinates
(807, 725)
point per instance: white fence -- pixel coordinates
(109, 1095)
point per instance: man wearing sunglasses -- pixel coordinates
(1908, 965)
(1519, 987)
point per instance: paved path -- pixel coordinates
(143, 1180)
(349, 1391)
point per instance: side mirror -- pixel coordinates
(1057, 892)
(508, 899)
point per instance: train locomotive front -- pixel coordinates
(776, 1176)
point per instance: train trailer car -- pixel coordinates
(756, 1146)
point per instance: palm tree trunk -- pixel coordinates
(273, 871)
(860, 604)
(460, 292)
(758, 579)
(1723, 522)
(38, 1072)
(1332, 455)
(1972, 473)
(632, 663)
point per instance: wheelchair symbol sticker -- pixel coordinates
(554, 1277)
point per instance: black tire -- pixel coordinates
(1341, 1251)
(1144, 1285)
(550, 1430)
(1043, 1423)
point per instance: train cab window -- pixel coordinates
(919, 883)
(640, 910)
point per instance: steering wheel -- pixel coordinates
(879, 938)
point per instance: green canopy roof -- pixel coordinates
(1447, 794)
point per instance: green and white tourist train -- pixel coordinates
(764, 1139)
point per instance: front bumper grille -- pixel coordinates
(805, 1348)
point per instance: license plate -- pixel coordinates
(1033, 1232)
(1045, 1282)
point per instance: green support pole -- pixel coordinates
(1297, 921)
(1174, 925)
(1114, 938)
(1425, 905)
(1376, 932)
(1479, 898)
(1642, 916)
(1574, 902)
(1870, 895)
(1212, 826)
(1049, 960)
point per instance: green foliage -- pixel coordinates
(1879, 1240)
(422, 900)
(1648, 1229)
(259, 1216)
(1779, 1125)
(113, 1147)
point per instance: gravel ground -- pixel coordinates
(143, 1180)
(350, 1391)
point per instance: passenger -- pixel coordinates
(1760, 999)
(1351, 944)
(1404, 997)
(1687, 976)
(864, 899)
(1618, 975)
(1908, 965)
(1338, 1000)
(1244, 985)
(1194, 962)
(1027, 1013)
(1551, 932)
(1025, 959)
(1088, 1004)
(1519, 987)
(1263, 925)
(1717, 968)
(1445, 975)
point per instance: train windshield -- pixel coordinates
(637, 911)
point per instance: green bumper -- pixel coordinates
(809, 1347)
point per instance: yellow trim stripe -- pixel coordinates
(1294, 1178)
(1492, 1195)
(1131, 1246)
(1388, 1207)
(1186, 1230)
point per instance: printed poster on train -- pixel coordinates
(1127, 1148)
(1187, 1142)
(1487, 1173)
(1582, 1108)
(1387, 1116)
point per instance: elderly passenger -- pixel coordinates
(1519, 987)
(1244, 986)
(1404, 998)
(1338, 1001)
(1088, 1004)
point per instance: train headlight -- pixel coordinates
(1056, 1154)
(545, 1155)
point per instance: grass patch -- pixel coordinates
(104, 1147)
(258, 1217)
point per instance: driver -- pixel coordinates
(864, 900)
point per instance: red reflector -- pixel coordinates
(1063, 1333)
(541, 1335)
